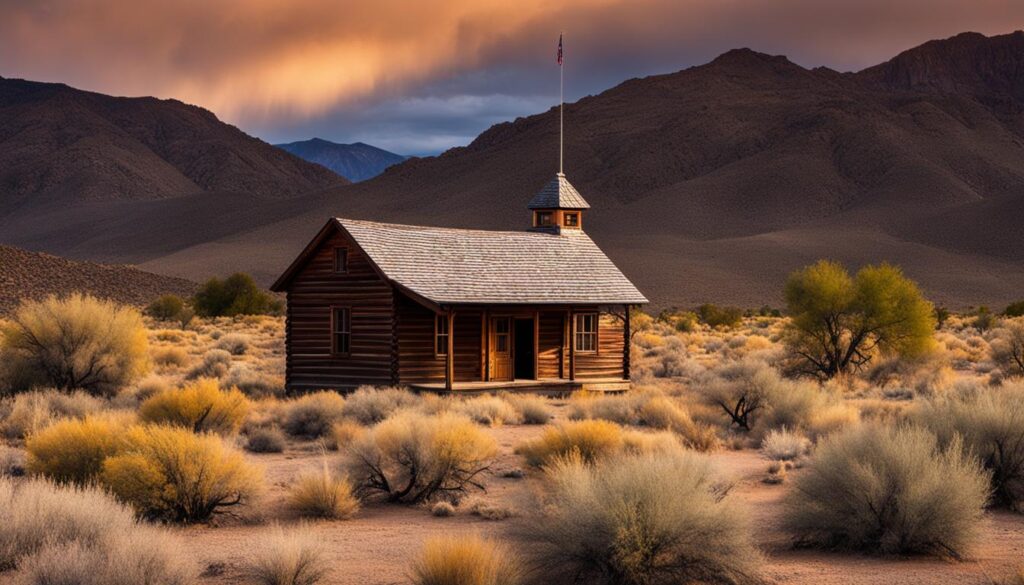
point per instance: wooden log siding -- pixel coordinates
(417, 360)
(606, 362)
(549, 350)
(311, 294)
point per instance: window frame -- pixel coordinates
(441, 321)
(550, 215)
(335, 332)
(575, 222)
(505, 336)
(341, 267)
(580, 334)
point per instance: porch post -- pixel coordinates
(536, 345)
(572, 346)
(626, 348)
(487, 345)
(449, 367)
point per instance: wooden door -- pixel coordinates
(501, 349)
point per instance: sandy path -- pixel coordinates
(375, 547)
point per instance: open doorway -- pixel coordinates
(524, 350)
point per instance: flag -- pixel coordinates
(559, 49)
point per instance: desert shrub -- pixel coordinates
(785, 445)
(287, 557)
(442, 509)
(265, 440)
(215, 364)
(166, 308)
(75, 342)
(641, 519)
(450, 560)
(892, 490)
(370, 405)
(173, 474)
(344, 433)
(839, 323)
(1007, 348)
(322, 495)
(235, 295)
(991, 424)
(200, 405)
(741, 390)
(12, 461)
(28, 412)
(661, 412)
(313, 415)
(234, 343)
(685, 321)
(253, 383)
(171, 356)
(73, 450)
(532, 409)
(413, 458)
(715, 316)
(984, 319)
(489, 410)
(590, 439)
(1014, 309)
(64, 534)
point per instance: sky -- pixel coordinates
(420, 76)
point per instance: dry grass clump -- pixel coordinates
(173, 474)
(590, 439)
(215, 364)
(322, 495)
(28, 412)
(644, 408)
(171, 357)
(785, 445)
(73, 450)
(313, 415)
(413, 458)
(890, 490)
(287, 557)
(200, 405)
(343, 434)
(489, 410)
(75, 342)
(442, 509)
(990, 422)
(265, 440)
(62, 534)
(370, 405)
(532, 409)
(641, 519)
(234, 343)
(450, 560)
(253, 383)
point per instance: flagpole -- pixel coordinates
(561, 107)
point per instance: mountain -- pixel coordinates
(31, 275)
(708, 184)
(60, 145)
(356, 162)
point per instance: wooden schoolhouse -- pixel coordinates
(460, 309)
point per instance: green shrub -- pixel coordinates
(235, 295)
(166, 308)
(75, 342)
(287, 557)
(715, 316)
(74, 450)
(1015, 309)
(201, 406)
(412, 457)
(641, 519)
(891, 490)
(173, 474)
(450, 560)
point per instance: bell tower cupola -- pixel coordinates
(558, 207)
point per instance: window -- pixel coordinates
(545, 218)
(501, 335)
(341, 330)
(586, 332)
(341, 260)
(441, 334)
(572, 220)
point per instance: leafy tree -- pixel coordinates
(235, 295)
(1015, 309)
(984, 319)
(166, 308)
(840, 322)
(715, 316)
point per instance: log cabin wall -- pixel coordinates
(607, 361)
(551, 345)
(315, 289)
(417, 361)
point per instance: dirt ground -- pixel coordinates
(375, 547)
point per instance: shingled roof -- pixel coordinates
(558, 194)
(459, 266)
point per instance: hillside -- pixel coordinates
(31, 275)
(356, 162)
(708, 184)
(60, 145)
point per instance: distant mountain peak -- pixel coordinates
(356, 162)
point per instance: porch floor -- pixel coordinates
(550, 386)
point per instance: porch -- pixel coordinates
(545, 386)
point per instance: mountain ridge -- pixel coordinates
(356, 162)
